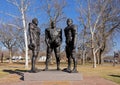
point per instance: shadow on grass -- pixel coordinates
(17, 71)
(115, 75)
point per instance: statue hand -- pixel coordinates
(48, 45)
(74, 46)
(31, 46)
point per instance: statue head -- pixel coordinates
(53, 25)
(35, 21)
(69, 21)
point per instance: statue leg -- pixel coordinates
(68, 69)
(57, 55)
(49, 51)
(34, 57)
(73, 55)
(69, 58)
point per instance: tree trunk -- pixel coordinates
(26, 50)
(83, 58)
(101, 57)
(98, 58)
(113, 61)
(94, 59)
(93, 50)
(10, 55)
(2, 58)
(25, 37)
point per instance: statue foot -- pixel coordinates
(74, 71)
(35, 70)
(46, 69)
(58, 69)
(66, 70)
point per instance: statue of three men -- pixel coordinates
(53, 39)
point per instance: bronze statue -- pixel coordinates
(34, 34)
(71, 39)
(53, 39)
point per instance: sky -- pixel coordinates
(70, 11)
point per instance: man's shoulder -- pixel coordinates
(66, 28)
(47, 29)
(31, 25)
(39, 29)
(74, 27)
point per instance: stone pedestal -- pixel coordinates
(52, 76)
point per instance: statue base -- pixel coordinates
(52, 75)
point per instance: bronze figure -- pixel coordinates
(71, 41)
(53, 39)
(34, 34)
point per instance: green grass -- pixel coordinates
(105, 71)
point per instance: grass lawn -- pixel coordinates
(106, 71)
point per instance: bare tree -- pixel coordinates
(42, 43)
(101, 18)
(20, 41)
(22, 6)
(83, 44)
(109, 22)
(54, 9)
(8, 37)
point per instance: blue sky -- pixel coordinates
(70, 12)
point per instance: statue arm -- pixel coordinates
(74, 35)
(46, 38)
(65, 35)
(61, 35)
(30, 32)
(39, 31)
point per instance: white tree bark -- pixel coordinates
(94, 59)
(22, 7)
(10, 55)
(26, 42)
(25, 33)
